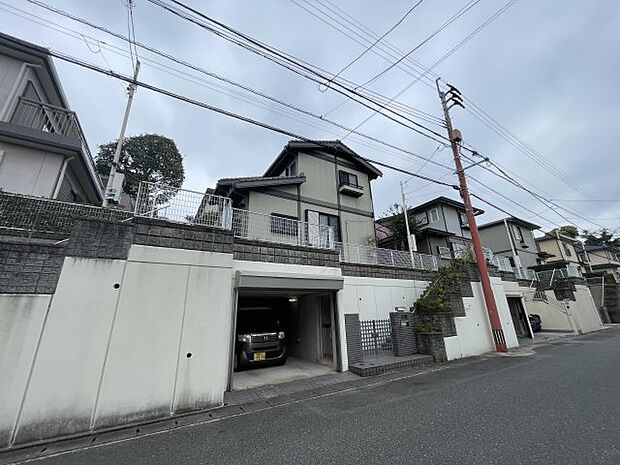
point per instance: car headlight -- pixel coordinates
(244, 338)
(281, 335)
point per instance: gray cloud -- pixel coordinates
(548, 73)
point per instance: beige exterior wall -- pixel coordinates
(323, 185)
(555, 247)
(268, 204)
(357, 229)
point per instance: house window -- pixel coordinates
(330, 220)
(291, 170)
(421, 218)
(518, 233)
(284, 224)
(433, 215)
(463, 218)
(567, 250)
(348, 179)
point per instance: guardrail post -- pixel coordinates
(392, 256)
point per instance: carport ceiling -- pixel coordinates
(277, 292)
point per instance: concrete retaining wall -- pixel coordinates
(121, 341)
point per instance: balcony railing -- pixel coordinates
(54, 120)
(502, 263)
(270, 228)
(366, 255)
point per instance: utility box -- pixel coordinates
(113, 194)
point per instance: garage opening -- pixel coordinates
(283, 334)
(520, 319)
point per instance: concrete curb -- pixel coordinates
(59, 446)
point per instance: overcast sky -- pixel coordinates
(546, 70)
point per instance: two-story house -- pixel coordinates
(512, 238)
(599, 258)
(43, 151)
(558, 249)
(320, 183)
(442, 225)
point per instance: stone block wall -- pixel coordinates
(161, 233)
(30, 267)
(403, 333)
(612, 301)
(432, 344)
(382, 271)
(259, 251)
(100, 239)
(353, 337)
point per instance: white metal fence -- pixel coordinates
(183, 206)
(524, 273)
(549, 276)
(271, 228)
(502, 263)
(353, 253)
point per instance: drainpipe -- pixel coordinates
(515, 257)
(557, 235)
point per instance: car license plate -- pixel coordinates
(259, 356)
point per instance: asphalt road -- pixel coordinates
(560, 405)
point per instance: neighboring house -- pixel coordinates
(444, 230)
(323, 183)
(513, 238)
(558, 249)
(42, 148)
(599, 258)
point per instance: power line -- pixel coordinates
(218, 77)
(457, 15)
(365, 29)
(376, 41)
(445, 56)
(95, 68)
(471, 108)
(586, 200)
(291, 63)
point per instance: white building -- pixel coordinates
(43, 151)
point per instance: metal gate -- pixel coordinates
(376, 337)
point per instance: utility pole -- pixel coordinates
(455, 137)
(131, 90)
(406, 213)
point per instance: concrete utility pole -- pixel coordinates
(489, 299)
(131, 90)
(406, 213)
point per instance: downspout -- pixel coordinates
(515, 257)
(557, 235)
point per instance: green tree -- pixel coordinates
(394, 219)
(601, 237)
(568, 230)
(147, 157)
